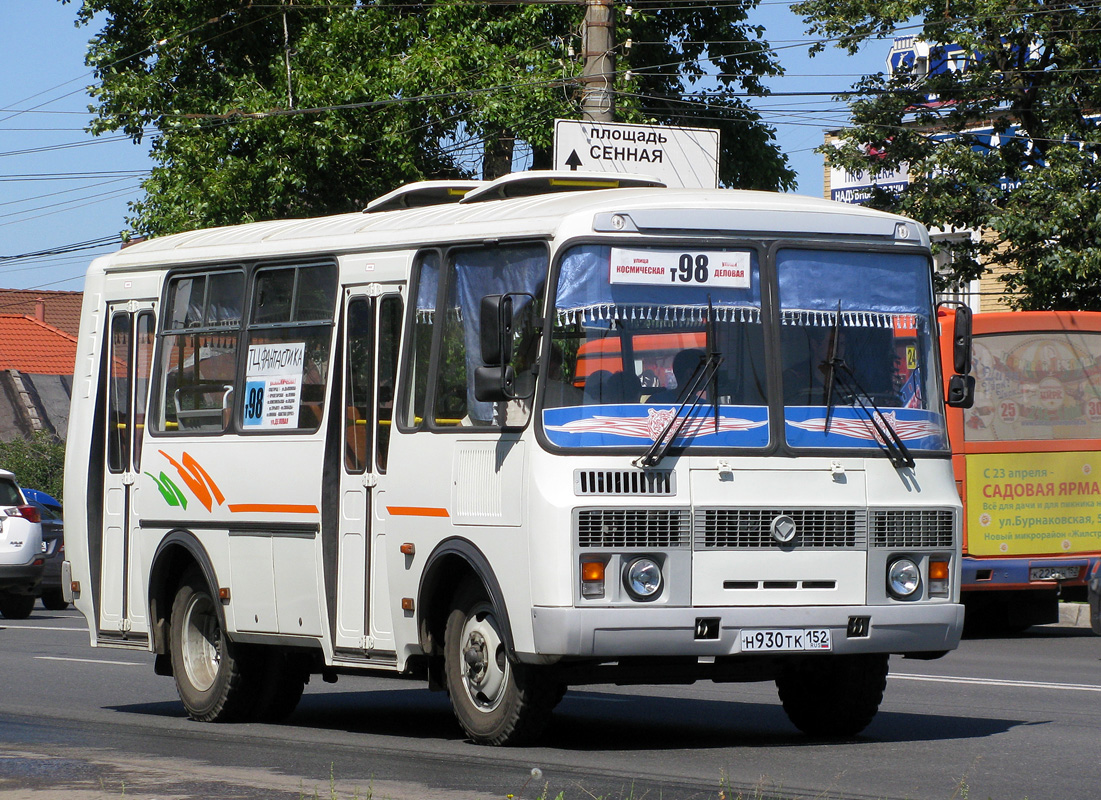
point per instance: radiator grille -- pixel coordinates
(633, 528)
(750, 528)
(913, 529)
(624, 482)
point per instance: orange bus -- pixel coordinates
(1027, 459)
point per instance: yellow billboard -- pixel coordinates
(1033, 503)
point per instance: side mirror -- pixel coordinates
(495, 382)
(496, 330)
(961, 341)
(961, 391)
(961, 386)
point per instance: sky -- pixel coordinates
(62, 189)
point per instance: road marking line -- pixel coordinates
(41, 627)
(90, 661)
(1067, 687)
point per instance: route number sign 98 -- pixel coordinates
(710, 268)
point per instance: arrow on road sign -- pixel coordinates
(574, 161)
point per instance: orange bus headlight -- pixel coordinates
(592, 579)
(938, 578)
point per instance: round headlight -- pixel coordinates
(903, 578)
(642, 578)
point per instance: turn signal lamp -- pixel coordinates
(592, 579)
(29, 513)
(938, 578)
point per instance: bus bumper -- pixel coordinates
(980, 574)
(624, 632)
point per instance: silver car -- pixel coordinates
(21, 557)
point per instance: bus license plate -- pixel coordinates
(1053, 573)
(781, 640)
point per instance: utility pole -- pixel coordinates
(598, 74)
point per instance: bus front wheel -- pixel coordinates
(833, 696)
(497, 701)
(210, 675)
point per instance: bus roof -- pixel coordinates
(639, 210)
(1026, 321)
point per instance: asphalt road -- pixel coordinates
(999, 719)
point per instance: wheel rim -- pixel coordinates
(201, 643)
(486, 670)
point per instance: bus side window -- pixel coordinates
(289, 334)
(451, 399)
(360, 359)
(472, 274)
(422, 326)
(197, 364)
(389, 337)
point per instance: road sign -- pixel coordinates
(677, 156)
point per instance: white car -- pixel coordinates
(21, 556)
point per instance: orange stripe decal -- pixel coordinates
(416, 511)
(271, 508)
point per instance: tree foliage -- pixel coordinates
(38, 463)
(1031, 74)
(303, 107)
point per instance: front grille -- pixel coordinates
(905, 529)
(624, 482)
(616, 528)
(750, 528)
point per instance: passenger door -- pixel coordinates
(372, 332)
(127, 367)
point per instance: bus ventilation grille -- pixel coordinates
(751, 528)
(634, 528)
(913, 528)
(624, 482)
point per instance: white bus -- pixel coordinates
(400, 441)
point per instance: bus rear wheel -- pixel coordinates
(497, 701)
(833, 696)
(209, 671)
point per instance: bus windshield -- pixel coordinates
(630, 328)
(633, 327)
(857, 337)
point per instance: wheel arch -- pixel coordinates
(449, 564)
(178, 551)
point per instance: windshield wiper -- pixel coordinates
(707, 370)
(707, 367)
(885, 434)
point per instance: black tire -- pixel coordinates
(54, 600)
(281, 679)
(497, 701)
(16, 606)
(210, 671)
(833, 696)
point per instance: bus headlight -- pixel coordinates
(903, 578)
(642, 578)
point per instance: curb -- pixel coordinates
(1074, 615)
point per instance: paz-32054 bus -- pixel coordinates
(365, 442)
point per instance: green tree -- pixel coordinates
(306, 107)
(38, 463)
(1031, 73)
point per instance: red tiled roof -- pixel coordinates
(35, 347)
(61, 309)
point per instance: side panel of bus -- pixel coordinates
(1025, 457)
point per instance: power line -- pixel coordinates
(88, 244)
